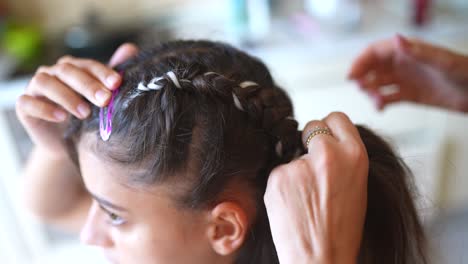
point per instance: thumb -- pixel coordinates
(426, 53)
(123, 53)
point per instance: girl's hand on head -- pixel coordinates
(421, 72)
(66, 88)
(317, 203)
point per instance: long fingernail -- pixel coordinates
(102, 96)
(83, 110)
(112, 81)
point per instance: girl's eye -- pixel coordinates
(115, 219)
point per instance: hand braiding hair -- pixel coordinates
(201, 131)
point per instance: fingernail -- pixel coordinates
(60, 115)
(378, 102)
(112, 81)
(102, 96)
(403, 43)
(83, 110)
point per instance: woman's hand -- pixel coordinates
(66, 88)
(423, 73)
(316, 204)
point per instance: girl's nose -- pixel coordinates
(94, 232)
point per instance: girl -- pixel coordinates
(178, 163)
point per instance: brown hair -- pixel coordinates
(196, 137)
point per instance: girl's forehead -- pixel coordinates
(102, 181)
(105, 178)
(97, 173)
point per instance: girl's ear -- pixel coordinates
(227, 228)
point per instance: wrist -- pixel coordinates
(339, 257)
(52, 154)
(306, 257)
(343, 260)
(337, 260)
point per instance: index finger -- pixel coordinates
(103, 73)
(373, 57)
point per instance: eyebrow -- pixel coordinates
(105, 203)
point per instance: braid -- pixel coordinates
(269, 106)
(208, 109)
(272, 107)
(213, 118)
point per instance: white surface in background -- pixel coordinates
(316, 82)
(417, 133)
(10, 91)
(316, 89)
(72, 253)
(314, 73)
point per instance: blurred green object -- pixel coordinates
(24, 43)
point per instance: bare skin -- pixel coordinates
(334, 201)
(135, 224)
(57, 194)
(324, 195)
(54, 190)
(422, 73)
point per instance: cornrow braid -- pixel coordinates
(219, 121)
(201, 115)
(271, 107)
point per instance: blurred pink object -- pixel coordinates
(421, 12)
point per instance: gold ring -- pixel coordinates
(317, 131)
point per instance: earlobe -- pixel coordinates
(228, 228)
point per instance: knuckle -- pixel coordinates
(64, 68)
(89, 62)
(40, 79)
(98, 69)
(129, 45)
(308, 127)
(42, 68)
(65, 59)
(90, 85)
(357, 152)
(338, 116)
(21, 102)
(311, 124)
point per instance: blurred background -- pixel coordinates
(307, 44)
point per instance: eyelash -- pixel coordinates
(114, 219)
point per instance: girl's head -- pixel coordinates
(182, 177)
